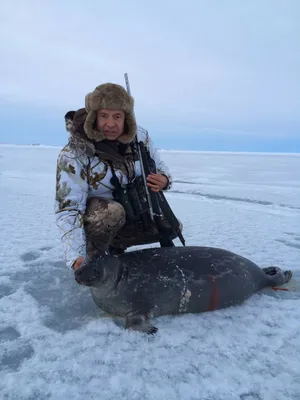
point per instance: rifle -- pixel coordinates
(158, 205)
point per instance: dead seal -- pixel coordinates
(143, 284)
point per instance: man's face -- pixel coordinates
(111, 122)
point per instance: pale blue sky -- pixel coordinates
(206, 75)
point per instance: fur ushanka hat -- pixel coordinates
(109, 95)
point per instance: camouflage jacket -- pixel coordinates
(81, 174)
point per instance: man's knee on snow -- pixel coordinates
(104, 215)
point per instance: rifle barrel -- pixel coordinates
(159, 200)
(140, 158)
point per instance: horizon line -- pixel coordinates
(36, 145)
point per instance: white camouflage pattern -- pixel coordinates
(80, 177)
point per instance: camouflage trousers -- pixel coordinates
(106, 229)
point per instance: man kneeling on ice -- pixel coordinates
(99, 161)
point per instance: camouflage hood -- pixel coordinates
(109, 95)
(78, 140)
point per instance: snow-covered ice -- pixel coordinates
(54, 343)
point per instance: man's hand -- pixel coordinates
(78, 262)
(157, 182)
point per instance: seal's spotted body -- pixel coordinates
(148, 283)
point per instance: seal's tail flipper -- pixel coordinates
(277, 276)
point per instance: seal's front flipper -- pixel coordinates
(139, 322)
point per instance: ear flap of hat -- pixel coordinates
(132, 129)
(91, 132)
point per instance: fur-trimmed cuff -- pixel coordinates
(169, 184)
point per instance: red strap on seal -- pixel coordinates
(214, 294)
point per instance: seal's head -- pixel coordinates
(98, 271)
(110, 114)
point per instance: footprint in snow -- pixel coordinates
(250, 396)
(52, 285)
(295, 236)
(13, 354)
(6, 290)
(34, 254)
(12, 358)
(288, 243)
(9, 334)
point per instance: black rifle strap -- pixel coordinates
(153, 196)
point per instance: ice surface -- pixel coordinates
(54, 342)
